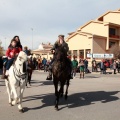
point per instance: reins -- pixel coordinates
(17, 74)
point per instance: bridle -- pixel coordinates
(18, 75)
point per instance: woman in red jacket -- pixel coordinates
(11, 53)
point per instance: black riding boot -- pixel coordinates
(69, 64)
(3, 76)
(49, 77)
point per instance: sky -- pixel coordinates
(47, 18)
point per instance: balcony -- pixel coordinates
(114, 36)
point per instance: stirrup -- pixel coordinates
(49, 78)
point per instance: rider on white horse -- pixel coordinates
(16, 79)
(11, 53)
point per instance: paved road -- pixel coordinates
(94, 98)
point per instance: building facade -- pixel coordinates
(44, 50)
(96, 36)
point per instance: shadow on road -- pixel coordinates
(74, 100)
(35, 83)
(91, 77)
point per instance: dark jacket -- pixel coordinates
(64, 45)
(44, 61)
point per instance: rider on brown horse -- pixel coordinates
(58, 43)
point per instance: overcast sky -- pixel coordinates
(48, 18)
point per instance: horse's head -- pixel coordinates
(60, 53)
(22, 57)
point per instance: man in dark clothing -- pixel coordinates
(86, 65)
(26, 50)
(59, 42)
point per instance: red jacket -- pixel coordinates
(12, 51)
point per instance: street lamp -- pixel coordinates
(32, 38)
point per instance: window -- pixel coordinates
(112, 31)
(111, 44)
(81, 54)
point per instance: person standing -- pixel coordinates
(39, 63)
(94, 65)
(81, 64)
(44, 61)
(104, 67)
(118, 65)
(86, 65)
(29, 71)
(74, 66)
(101, 66)
(26, 50)
(34, 62)
(114, 66)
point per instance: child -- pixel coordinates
(11, 53)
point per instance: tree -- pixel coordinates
(115, 49)
(1, 49)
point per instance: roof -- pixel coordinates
(84, 34)
(92, 21)
(99, 18)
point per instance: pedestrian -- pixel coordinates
(34, 62)
(86, 65)
(101, 66)
(104, 67)
(114, 66)
(81, 64)
(29, 71)
(94, 65)
(118, 66)
(74, 66)
(111, 63)
(39, 63)
(44, 62)
(26, 50)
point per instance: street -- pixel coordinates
(96, 97)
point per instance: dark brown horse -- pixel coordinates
(61, 73)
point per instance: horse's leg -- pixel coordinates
(14, 91)
(22, 88)
(26, 80)
(66, 93)
(61, 91)
(30, 75)
(56, 93)
(83, 74)
(8, 91)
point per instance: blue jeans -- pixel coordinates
(9, 63)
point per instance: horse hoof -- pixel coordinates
(66, 97)
(56, 108)
(10, 104)
(22, 110)
(61, 95)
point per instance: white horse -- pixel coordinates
(16, 79)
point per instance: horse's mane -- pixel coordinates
(60, 53)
